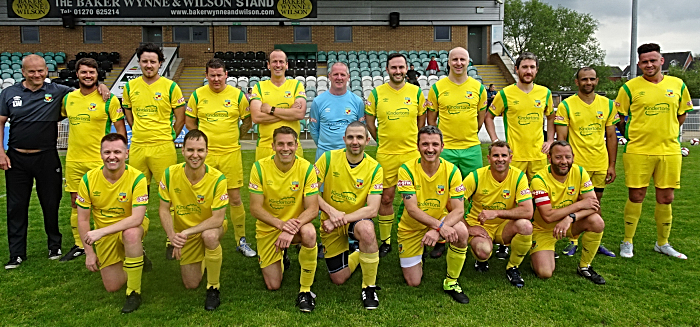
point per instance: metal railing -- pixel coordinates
(505, 50)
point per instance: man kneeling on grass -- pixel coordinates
(198, 196)
(566, 207)
(117, 195)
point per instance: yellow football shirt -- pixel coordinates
(345, 188)
(152, 107)
(192, 204)
(523, 119)
(218, 115)
(458, 108)
(486, 193)
(109, 202)
(284, 192)
(281, 98)
(547, 190)
(653, 110)
(90, 119)
(397, 114)
(432, 192)
(586, 124)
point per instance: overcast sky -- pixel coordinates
(672, 24)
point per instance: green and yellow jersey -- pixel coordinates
(486, 193)
(90, 118)
(547, 190)
(218, 115)
(152, 106)
(458, 107)
(281, 98)
(397, 114)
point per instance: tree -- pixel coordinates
(561, 38)
(691, 77)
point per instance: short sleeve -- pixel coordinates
(164, 186)
(299, 91)
(406, 183)
(126, 96)
(83, 198)
(321, 166)
(359, 108)
(257, 93)
(483, 98)
(586, 184)
(613, 116)
(191, 109)
(64, 112)
(469, 184)
(310, 181)
(371, 104)
(623, 100)
(499, 103)
(456, 185)
(522, 189)
(255, 185)
(549, 109)
(139, 191)
(220, 199)
(562, 117)
(177, 100)
(685, 104)
(540, 191)
(243, 106)
(422, 104)
(433, 98)
(377, 180)
(116, 113)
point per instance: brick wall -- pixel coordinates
(125, 39)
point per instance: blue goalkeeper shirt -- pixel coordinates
(330, 115)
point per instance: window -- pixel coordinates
(92, 34)
(343, 34)
(30, 34)
(191, 34)
(302, 33)
(237, 34)
(443, 33)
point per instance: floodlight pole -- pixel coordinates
(633, 48)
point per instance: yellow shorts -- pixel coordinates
(639, 168)
(495, 231)
(266, 248)
(152, 160)
(531, 167)
(75, 170)
(193, 251)
(263, 152)
(598, 178)
(335, 242)
(230, 164)
(391, 164)
(410, 242)
(543, 240)
(110, 248)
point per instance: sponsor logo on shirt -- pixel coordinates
(279, 204)
(379, 186)
(430, 204)
(590, 129)
(397, 114)
(402, 182)
(216, 116)
(187, 209)
(344, 196)
(77, 119)
(252, 186)
(314, 185)
(224, 197)
(122, 197)
(529, 118)
(16, 101)
(495, 206)
(143, 198)
(558, 118)
(456, 109)
(660, 108)
(588, 184)
(188, 109)
(181, 100)
(459, 188)
(525, 191)
(80, 199)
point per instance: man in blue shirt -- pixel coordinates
(333, 111)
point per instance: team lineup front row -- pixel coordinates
(284, 198)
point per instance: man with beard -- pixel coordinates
(460, 103)
(90, 118)
(656, 106)
(116, 195)
(565, 207)
(275, 103)
(433, 208)
(587, 121)
(198, 195)
(349, 200)
(284, 199)
(216, 109)
(500, 209)
(399, 110)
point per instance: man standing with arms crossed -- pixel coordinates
(116, 195)
(90, 118)
(656, 106)
(198, 198)
(350, 200)
(587, 121)
(284, 199)
(151, 102)
(275, 103)
(394, 112)
(460, 103)
(215, 109)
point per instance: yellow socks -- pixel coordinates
(455, 261)
(590, 243)
(519, 247)
(664, 216)
(212, 260)
(74, 227)
(307, 261)
(632, 213)
(238, 220)
(385, 225)
(133, 268)
(369, 263)
(354, 260)
(574, 240)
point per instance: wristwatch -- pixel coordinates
(573, 217)
(272, 111)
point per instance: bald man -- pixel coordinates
(34, 110)
(460, 103)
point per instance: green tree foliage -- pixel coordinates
(562, 39)
(691, 77)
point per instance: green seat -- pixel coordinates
(48, 58)
(60, 60)
(17, 76)
(4, 66)
(5, 75)
(16, 66)
(17, 54)
(6, 54)
(52, 54)
(51, 67)
(40, 54)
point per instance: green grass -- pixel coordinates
(649, 289)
